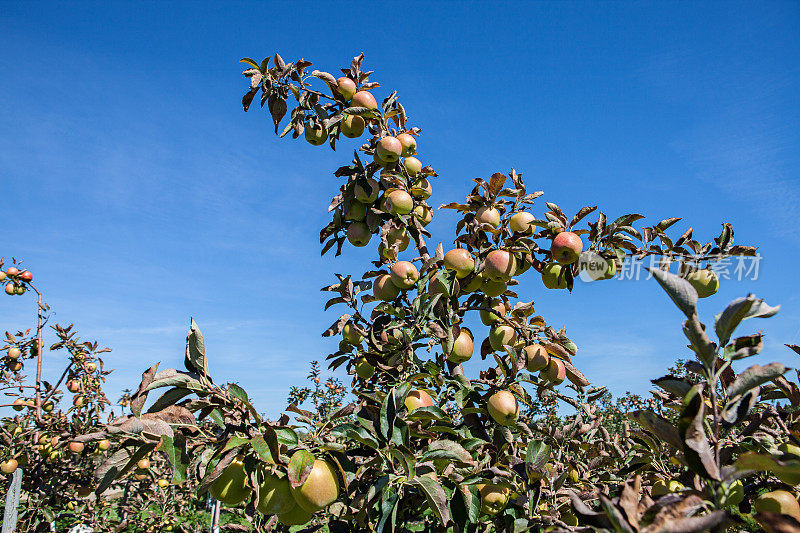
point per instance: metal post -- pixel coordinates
(12, 502)
(214, 517)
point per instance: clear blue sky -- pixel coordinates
(140, 194)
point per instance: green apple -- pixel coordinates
(316, 134)
(551, 274)
(502, 335)
(275, 494)
(384, 289)
(355, 211)
(705, 282)
(320, 489)
(352, 126)
(492, 288)
(488, 318)
(494, 498)
(503, 408)
(521, 223)
(488, 215)
(398, 202)
(358, 234)
(778, 501)
(364, 370)
(663, 487)
(351, 334)
(462, 348)
(413, 166)
(296, 517)
(231, 486)
(423, 213)
(369, 194)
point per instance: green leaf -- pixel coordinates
(786, 471)
(300, 465)
(741, 309)
(437, 498)
(196, 360)
(680, 290)
(536, 457)
(755, 376)
(175, 448)
(696, 448)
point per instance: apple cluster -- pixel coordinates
(17, 279)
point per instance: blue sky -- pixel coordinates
(140, 194)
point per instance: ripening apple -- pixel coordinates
(355, 211)
(494, 498)
(398, 237)
(499, 265)
(537, 357)
(143, 464)
(555, 372)
(384, 289)
(25, 275)
(351, 334)
(346, 88)
(404, 274)
(103, 444)
(75, 447)
(778, 501)
(358, 234)
(19, 404)
(11, 289)
(503, 408)
(423, 214)
(90, 367)
(48, 407)
(492, 288)
(9, 466)
(488, 215)
(2, 275)
(566, 247)
(417, 399)
(413, 166)
(12, 271)
(320, 489)
(498, 306)
(163, 483)
(460, 261)
(368, 195)
(231, 486)
(19, 290)
(316, 133)
(389, 149)
(274, 494)
(502, 335)
(78, 401)
(296, 517)
(14, 366)
(352, 126)
(364, 99)
(521, 223)
(705, 282)
(551, 274)
(364, 370)
(421, 189)
(73, 385)
(662, 487)
(462, 348)
(409, 144)
(398, 202)
(14, 352)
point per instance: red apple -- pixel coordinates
(346, 87)
(365, 99)
(12, 271)
(417, 399)
(460, 261)
(389, 149)
(11, 289)
(537, 357)
(555, 372)
(566, 247)
(404, 274)
(500, 265)
(409, 143)
(26, 276)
